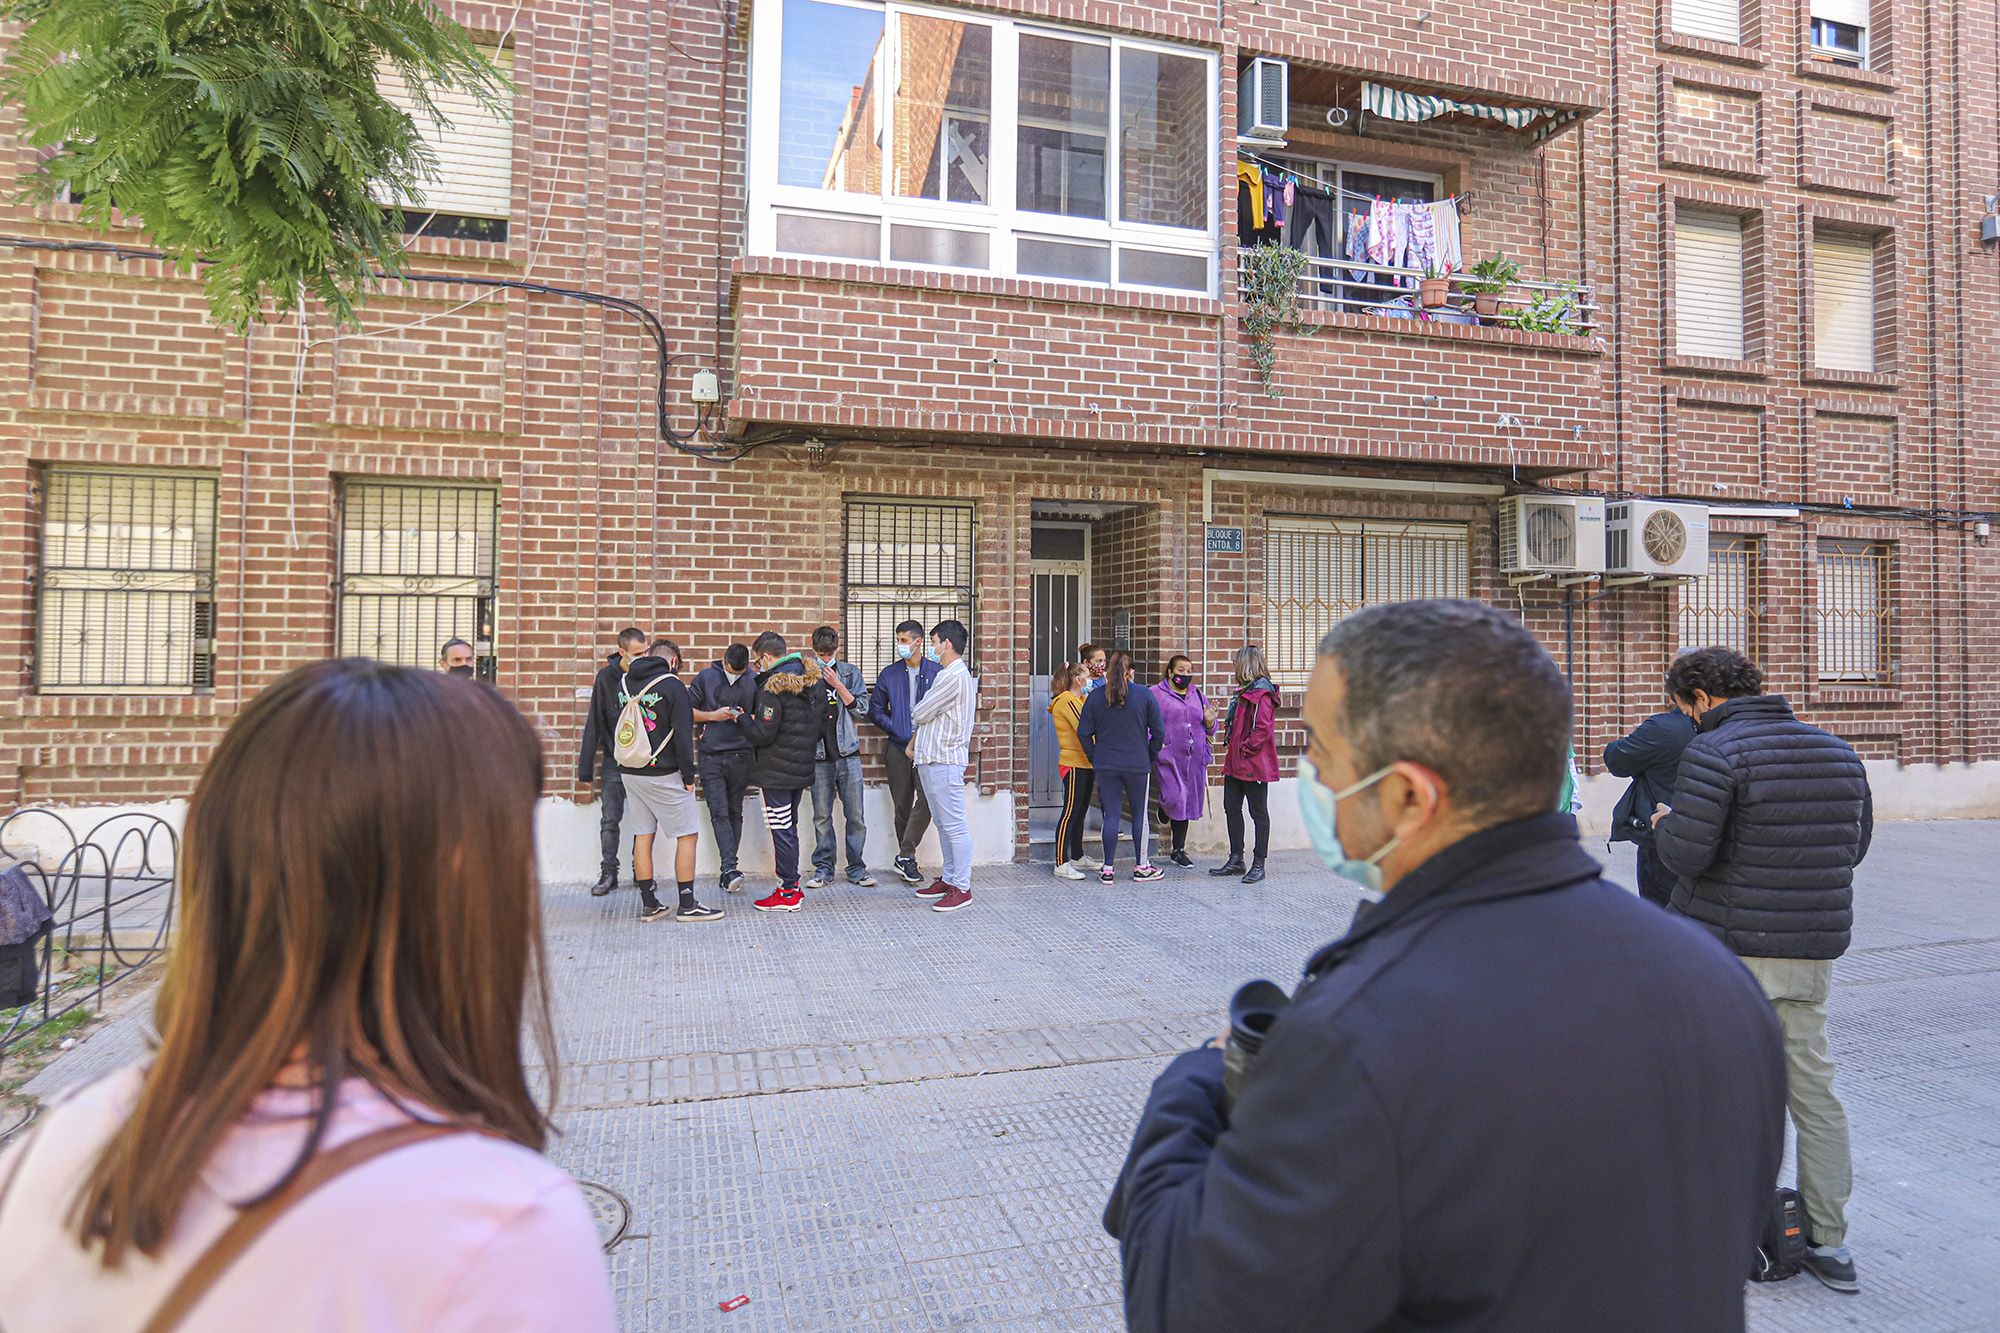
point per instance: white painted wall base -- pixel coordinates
(567, 838)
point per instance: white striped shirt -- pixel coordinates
(944, 718)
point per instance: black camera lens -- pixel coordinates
(1252, 1011)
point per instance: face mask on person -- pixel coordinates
(1181, 682)
(908, 652)
(1318, 805)
(931, 654)
(460, 670)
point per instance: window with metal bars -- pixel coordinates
(1319, 571)
(904, 561)
(1721, 610)
(1855, 611)
(416, 569)
(125, 594)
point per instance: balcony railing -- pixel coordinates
(1537, 305)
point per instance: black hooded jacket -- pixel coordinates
(783, 726)
(1770, 817)
(661, 691)
(601, 721)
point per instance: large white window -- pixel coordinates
(1840, 31)
(1843, 302)
(1319, 571)
(889, 133)
(474, 187)
(1708, 285)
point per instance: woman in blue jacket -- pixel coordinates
(1120, 731)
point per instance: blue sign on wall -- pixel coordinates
(1225, 541)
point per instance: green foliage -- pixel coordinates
(1269, 285)
(246, 137)
(1551, 312)
(1493, 275)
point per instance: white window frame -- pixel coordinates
(1855, 14)
(999, 218)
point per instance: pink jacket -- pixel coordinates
(1252, 734)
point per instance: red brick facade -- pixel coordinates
(629, 178)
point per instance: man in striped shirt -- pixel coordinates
(940, 752)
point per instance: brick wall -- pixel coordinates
(629, 180)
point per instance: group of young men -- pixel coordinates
(784, 723)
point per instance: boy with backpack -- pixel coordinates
(653, 747)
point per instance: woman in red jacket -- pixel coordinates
(1251, 765)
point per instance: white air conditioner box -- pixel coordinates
(1653, 537)
(1552, 534)
(1263, 99)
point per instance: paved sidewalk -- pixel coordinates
(871, 1116)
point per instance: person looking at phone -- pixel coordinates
(722, 692)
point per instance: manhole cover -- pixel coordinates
(610, 1210)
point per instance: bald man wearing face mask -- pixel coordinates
(1512, 1096)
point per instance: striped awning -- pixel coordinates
(1396, 104)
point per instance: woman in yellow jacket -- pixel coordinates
(1066, 692)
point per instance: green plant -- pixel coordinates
(1559, 311)
(1492, 275)
(247, 138)
(1269, 285)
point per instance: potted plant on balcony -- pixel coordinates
(1434, 288)
(1559, 311)
(1269, 286)
(1491, 277)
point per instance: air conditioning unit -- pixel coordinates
(1263, 99)
(1552, 534)
(1653, 537)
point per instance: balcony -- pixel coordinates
(1332, 287)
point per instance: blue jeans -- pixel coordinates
(842, 776)
(944, 789)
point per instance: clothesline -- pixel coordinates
(1463, 199)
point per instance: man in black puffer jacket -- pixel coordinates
(783, 727)
(1769, 819)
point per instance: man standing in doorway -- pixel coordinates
(662, 805)
(599, 726)
(898, 688)
(783, 727)
(941, 750)
(455, 657)
(724, 691)
(1769, 818)
(837, 770)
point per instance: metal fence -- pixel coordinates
(1319, 571)
(1854, 606)
(111, 891)
(1722, 609)
(903, 561)
(417, 567)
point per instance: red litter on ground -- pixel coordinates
(733, 1303)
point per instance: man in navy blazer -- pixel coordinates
(1650, 756)
(1513, 1096)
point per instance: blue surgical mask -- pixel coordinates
(909, 650)
(1318, 805)
(930, 654)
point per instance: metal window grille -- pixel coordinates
(904, 561)
(1721, 609)
(416, 569)
(1319, 571)
(1854, 611)
(127, 581)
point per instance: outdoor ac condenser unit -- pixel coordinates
(1654, 537)
(1552, 534)
(1263, 99)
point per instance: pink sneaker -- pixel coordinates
(953, 900)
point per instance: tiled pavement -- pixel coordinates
(870, 1116)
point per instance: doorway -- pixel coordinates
(1059, 620)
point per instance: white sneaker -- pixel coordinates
(1089, 863)
(1068, 870)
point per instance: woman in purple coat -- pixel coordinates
(1181, 768)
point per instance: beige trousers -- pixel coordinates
(1797, 989)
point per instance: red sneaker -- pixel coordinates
(782, 899)
(938, 889)
(954, 899)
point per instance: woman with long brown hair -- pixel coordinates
(336, 1130)
(1121, 736)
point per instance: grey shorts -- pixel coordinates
(659, 803)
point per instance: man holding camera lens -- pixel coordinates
(1513, 1096)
